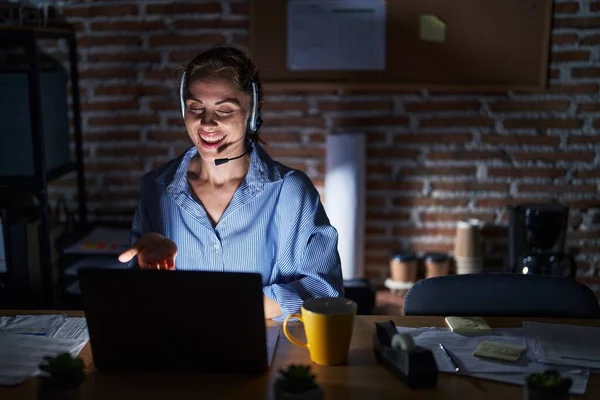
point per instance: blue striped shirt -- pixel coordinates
(275, 225)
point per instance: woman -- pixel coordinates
(225, 205)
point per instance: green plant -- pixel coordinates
(62, 372)
(549, 382)
(297, 379)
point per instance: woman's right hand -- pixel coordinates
(153, 250)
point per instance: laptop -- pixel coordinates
(180, 321)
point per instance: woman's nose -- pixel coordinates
(208, 118)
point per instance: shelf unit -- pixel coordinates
(27, 38)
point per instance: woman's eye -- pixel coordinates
(225, 112)
(195, 109)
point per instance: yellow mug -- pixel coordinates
(328, 323)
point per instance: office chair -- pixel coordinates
(502, 295)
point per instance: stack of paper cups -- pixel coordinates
(468, 247)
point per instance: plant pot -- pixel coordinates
(44, 393)
(314, 394)
(532, 394)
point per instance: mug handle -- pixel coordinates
(288, 335)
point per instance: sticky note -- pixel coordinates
(467, 324)
(432, 29)
(499, 351)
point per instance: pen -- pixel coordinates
(452, 360)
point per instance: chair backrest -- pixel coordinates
(503, 295)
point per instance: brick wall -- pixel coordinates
(433, 157)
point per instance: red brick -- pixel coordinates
(211, 39)
(184, 8)
(494, 202)
(137, 56)
(464, 155)
(583, 204)
(597, 123)
(131, 90)
(374, 230)
(163, 105)
(456, 121)
(469, 186)
(381, 244)
(584, 139)
(124, 120)
(375, 201)
(429, 232)
(241, 40)
(355, 106)
(125, 26)
(378, 169)
(101, 11)
(131, 152)
(160, 136)
(530, 172)
(275, 89)
(316, 137)
(581, 88)
(581, 23)
(270, 105)
(595, 6)
(429, 202)
(369, 121)
(554, 73)
(281, 137)
(162, 75)
(394, 185)
(97, 166)
(387, 153)
(239, 8)
(526, 187)
(587, 72)
(432, 138)
(183, 56)
(296, 152)
(556, 105)
(587, 174)
(388, 216)
(104, 73)
(494, 138)
(588, 107)
(219, 23)
(455, 217)
(109, 105)
(565, 8)
(552, 156)
(435, 247)
(550, 123)
(102, 41)
(591, 234)
(374, 90)
(572, 55)
(316, 122)
(564, 38)
(442, 106)
(591, 40)
(446, 171)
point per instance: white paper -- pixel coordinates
(101, 241)
(272, 338)
(565, 344)
(345, 188)
(2, 251)
(73, 328)
(20, 354)
(336, 35)
(39, 325)
(463, 346)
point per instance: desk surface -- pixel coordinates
(362, 378)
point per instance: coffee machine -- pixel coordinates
(537, 236)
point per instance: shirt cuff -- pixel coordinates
(286, 296)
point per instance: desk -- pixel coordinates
(362, 378)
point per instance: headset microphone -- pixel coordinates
(254, 121)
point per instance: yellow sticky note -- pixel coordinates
(432, 29)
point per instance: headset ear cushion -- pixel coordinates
(182, 88)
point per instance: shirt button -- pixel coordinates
(216, 246)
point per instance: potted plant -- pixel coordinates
(61, 379)
(297, 383)
(547, 385)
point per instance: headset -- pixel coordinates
(252, 126)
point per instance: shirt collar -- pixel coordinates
(263, 169)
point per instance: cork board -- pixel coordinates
(489, 45)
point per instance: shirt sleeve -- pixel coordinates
(314, 265)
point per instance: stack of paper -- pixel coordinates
(26, 339)
(577, 346)
(462, 348)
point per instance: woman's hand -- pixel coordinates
(154, 251)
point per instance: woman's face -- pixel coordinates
(215, 117)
